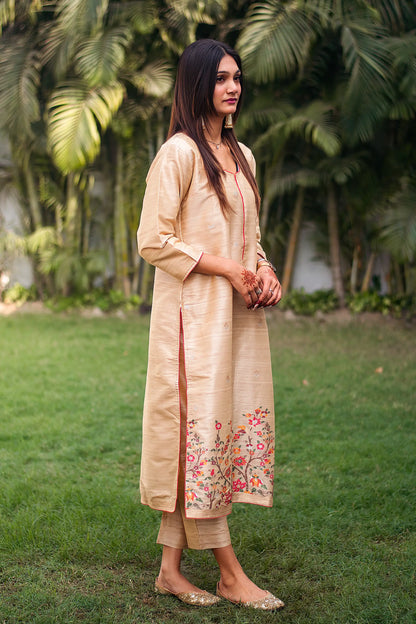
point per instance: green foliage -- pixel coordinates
(276, 39)
(397, 222)
(77, 113)
(19, 294)
(19, 85)
(307, 304)
(396, 305)
(106, 301)
(99, 58)
(330, 100)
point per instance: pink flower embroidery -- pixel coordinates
(236, 461)
(238, 485)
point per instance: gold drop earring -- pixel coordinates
(228, 121)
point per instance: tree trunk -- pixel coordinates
(87, 222)
(146, 275)
(368, 272)
(334, 245)
(120, 227)
(73, 216)
(34, 206)
(354, 269)
(293, 240)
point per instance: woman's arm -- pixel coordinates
(168, 181)
(244, 281)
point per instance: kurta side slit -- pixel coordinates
(176, 530)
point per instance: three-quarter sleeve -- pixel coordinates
(260, 250)
(252, 164)
(159, 234)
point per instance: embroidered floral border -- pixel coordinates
(239, 462)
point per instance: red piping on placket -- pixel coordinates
(244, 216)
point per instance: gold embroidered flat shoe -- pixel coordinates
(268, 603)
(198, 599)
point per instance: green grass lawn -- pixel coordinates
(75, 544)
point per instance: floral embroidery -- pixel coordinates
(239, 461)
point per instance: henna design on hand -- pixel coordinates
(249, 279)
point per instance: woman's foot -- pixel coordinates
(241, 589)
(176, 583)
(268, 603)
(196, 597)
(235, 586)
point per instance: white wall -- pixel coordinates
(19, 269)
(309, 272)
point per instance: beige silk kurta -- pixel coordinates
(230, 408)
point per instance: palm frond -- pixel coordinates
(99, 58)
(288, 181)
(404, 54)
(397, 222)
(41, 239)
(276, 39)
(17, 10)
(57, 48)
(340, 169)
(76, 114)
(155, 79)
(12, 243)
(395, 15)
(7, 13)
(313, 124)
(140, 15)
(262, 111)
(20, 72)
(182, 18)
(369, 92)
(81, 16)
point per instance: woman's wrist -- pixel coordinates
(263, 263)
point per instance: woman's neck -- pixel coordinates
(213, 130)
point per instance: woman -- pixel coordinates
(208, 423)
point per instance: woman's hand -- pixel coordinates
(271, 288)
(250, 286)
(247, 283)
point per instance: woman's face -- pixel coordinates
(227, 87)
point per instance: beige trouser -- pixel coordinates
(175, 529)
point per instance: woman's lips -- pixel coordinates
(231, 101)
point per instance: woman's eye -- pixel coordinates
(220, 78)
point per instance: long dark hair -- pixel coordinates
(193, 102)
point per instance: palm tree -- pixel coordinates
(93, 59)
(342, 54)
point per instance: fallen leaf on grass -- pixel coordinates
(305, 382)
(379, 369)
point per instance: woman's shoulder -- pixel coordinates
(248, 155)
(246, 151)
(179, 153)
(180, 143)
